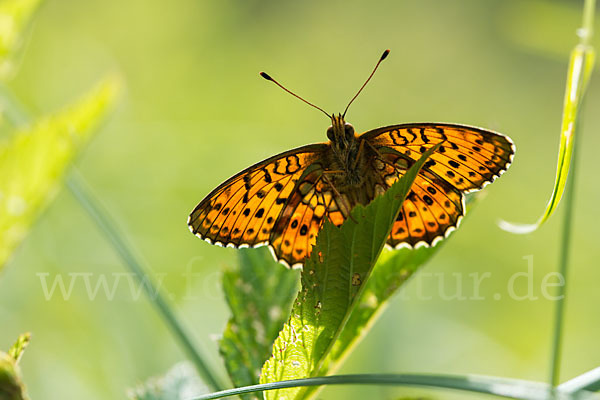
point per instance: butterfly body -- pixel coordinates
(283, 201)
(343, 143)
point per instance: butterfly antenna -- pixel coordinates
(383, 56)
(268, 77)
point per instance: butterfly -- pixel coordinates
(284, 200)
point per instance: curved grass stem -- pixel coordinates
(585, 33)
(503, 387)
(77, 186)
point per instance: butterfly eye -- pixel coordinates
(349, 131)
(330, 133)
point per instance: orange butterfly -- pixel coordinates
(283, 201)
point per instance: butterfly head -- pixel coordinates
(341, 135)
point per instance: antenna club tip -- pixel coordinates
(385, 54)
(266, 76)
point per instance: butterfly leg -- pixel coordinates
(345, 209)
(378, 153)
(384, 160)
(360, 149)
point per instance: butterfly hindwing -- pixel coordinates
(432, 208)
(244, 209)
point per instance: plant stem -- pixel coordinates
(585, 33)
(587, 28)
(117, 240)
(589, 381)
(563, 269)
(18, 115)
(502, 387)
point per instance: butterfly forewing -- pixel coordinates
(469, 157)
(244, 209)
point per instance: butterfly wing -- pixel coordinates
(296, 230)
(283, 201)
(247, 209)
(468, 159)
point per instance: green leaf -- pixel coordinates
(580, 68)
(11, 383)
(340, 261)
(180, 383)
(16, 351)
(33, 162)
(11, 386)
(392, 270)
(259, 292)
(15, 16)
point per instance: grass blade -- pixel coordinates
(580, 67)
(15, 17)
(34, 161)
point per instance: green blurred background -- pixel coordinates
(195, 112)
